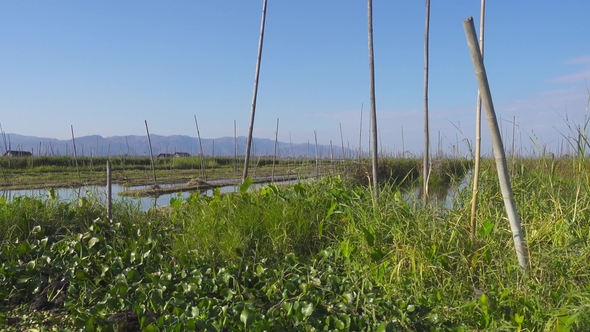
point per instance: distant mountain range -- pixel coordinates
(133, 145)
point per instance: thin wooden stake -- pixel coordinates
(75, 155)
(341, 140)
(426, 166)
(372, 92)
(151, 153)
(201, 154)
(317, 160)
(109, 193)
(476, 167)
(255, 93)
(403, 144)
(291, 145)
(499, 154)
(274, 156)
(235, 150)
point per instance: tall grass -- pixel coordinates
(317, 254)
(419, 254)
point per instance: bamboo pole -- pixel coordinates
(235, 150)
(331, 156)
(477, 157)
(426, 166)
(372, 92)
(75, 155)
(403, 143)
(291, 145)
(201, 155)
(499, 154)
(109, 192)
(274, 156)
(255, 93)
(151, 153)
(341, 141)
(317, 160)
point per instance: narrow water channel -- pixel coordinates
(145, 203)
(445, 196)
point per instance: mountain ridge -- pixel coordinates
(136, 145)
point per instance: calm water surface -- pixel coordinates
(446, 196)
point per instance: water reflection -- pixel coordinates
(445, 196)
(145, 203)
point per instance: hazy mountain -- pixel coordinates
(138, 146)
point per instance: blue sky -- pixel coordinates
(106, 66)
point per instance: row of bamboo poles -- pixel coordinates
(484, 94)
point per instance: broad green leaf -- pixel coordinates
(151, 328)
(226, 293)
(92, 242)
(369, 235)
(245, 185)
(338, 323)
(307, 308)
(31, 265)
(486, 228)
(377, 255)
(247, 316)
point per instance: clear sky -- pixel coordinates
(106, 66)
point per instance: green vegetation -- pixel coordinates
(321, 255)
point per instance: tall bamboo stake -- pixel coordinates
(317, 158)
(372, 91)
(331, 154)
(426, 166)
(341, 141)
(151, 153)
(255, 93)
(499, 154)
(128, 149)
(274, 156)
(109, 192)
(235, 149)
(403, 143)
(291, 144)
(477, 132)
(201, 154)
(75, 155)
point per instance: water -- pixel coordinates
(446, 196)
(145, 203)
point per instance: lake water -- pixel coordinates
(145, 203)
(445, 197)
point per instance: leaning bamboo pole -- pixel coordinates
(75, 155)
(499, 154)
(372, 92)
(426, 166)
(255, 93)
(201, 154)
(147, 130)
(477, 133)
